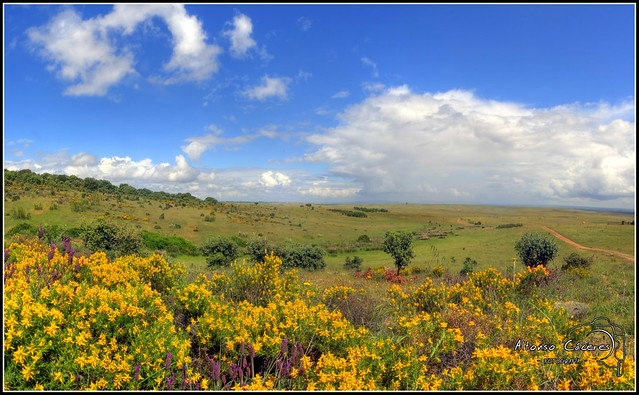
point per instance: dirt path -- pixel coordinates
(567, 240)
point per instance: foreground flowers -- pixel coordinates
(134, 323)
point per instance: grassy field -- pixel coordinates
(471, 231)
(446, 236)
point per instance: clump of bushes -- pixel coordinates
(219, 251)
(20, 213)
(295, 255)
(173, 245)
(506, 226)
(113, 239)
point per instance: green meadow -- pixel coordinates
(445, 236)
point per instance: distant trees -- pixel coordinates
(536, 249)
(400, 246)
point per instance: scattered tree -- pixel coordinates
(536, 249)
(399, 245)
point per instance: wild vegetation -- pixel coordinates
(87, 292)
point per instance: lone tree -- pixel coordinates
(399, 245)
(536, 249)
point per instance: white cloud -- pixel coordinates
(272, 179)
(270, 87)
(240, 36)
(198, 145)
(369, 62)
(340, 95)
(400, 145)
(304, 23)
(329, 192)
(84, 52)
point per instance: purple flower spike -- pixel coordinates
(215, 369)
(6, 255)
(77, 265)
(137, 373)
(40, 232)
(284, 346)
(251, 350)
(52, 252)
(168, 361)
(242, 347)
(71, 257)
(66, 245)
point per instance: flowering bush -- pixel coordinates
(78, 323)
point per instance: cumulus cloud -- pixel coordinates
(84, 52)
(272, 179)
(240, 36)
(270, 87)
(453, 145)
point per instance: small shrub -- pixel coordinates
(37, 206)
(162, 216)
(80, 205)
(469, 265)
(439, 271)
(20, 213)
(364, 239)
(574, 260)
(354, 263)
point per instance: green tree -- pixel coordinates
(400, 246)
(536, 249)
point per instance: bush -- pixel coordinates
(24, 228)
(439, 271)
(209, 218)
(536, 249)
(354, 263)
(219, 251)
(53, 206)
(304, 256)
(174, 245)
(364, 239)
(111, 238)
(469, 265)
(80, 205)
(20, 213)
(258, 248)
(574, 261)
(297, 255)
(37, 206)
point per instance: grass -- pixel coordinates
(609, 291)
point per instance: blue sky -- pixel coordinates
(477, 104)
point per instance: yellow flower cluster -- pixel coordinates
(97, 324)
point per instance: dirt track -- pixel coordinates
(567, 240)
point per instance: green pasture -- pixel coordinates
(454, 232)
